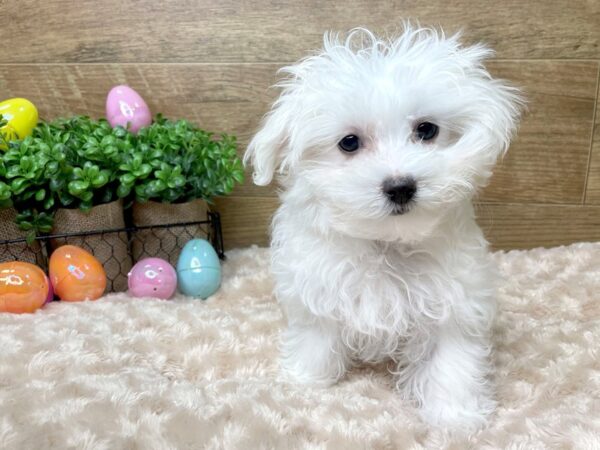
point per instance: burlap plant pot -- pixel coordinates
(167, 243)
(21, 251)
(110, 249)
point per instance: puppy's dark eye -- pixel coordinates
(349, 143)
(426, 131)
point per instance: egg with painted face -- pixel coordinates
(152, 277)
(23, 287)
(127, 108)
(21, 117)
(198, 269)
(76, 274)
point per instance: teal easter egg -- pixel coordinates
(198, 269)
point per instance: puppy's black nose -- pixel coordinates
(400, 190)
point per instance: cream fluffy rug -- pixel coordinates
(122, 373)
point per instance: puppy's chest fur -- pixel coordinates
(379, 294)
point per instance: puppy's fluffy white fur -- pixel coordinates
(356, 281)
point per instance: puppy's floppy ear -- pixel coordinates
(501, 103)
(267, 148)
(505, 105)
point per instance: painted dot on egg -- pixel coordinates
(152, 277)
(76, 274)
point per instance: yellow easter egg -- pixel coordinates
(22, 117)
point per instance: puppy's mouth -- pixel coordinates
(398, 210)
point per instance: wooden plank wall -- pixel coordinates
(212, 61)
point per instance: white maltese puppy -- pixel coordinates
(381, 145)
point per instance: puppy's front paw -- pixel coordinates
(312, 355)
(451, 385)
(307, 372)
(462, 416)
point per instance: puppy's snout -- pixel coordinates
(400, 190)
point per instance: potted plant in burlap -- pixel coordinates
(87, 188)
(173, 174)
(66, 182)
(28, 251)
(14, 226)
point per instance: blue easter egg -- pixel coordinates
(198, 269)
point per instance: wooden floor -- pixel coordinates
(213, 62)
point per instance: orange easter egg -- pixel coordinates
(76, 275)
(23, 287)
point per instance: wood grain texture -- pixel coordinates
(507, 226)
(226, 97)
(261, 30)
(213, 61)
(547, 163)
(593, 184)
(246, 220)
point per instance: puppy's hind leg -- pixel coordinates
(314, 353)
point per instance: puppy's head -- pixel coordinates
(387, 136)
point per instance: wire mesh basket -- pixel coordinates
(161, 241)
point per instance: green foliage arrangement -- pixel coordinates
(80, 163)
(68, 163)
(176, 162)
(2, 123)
(5, 192)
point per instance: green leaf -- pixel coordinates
(86, 197)
(238, 176)
(155, 187)
(56, 184)
(123, 191)
(51, 168)
(49, 203)
(127, 179)
(143, 171)
(100, 180)
(25, 226)
(65, 199)
(18, 186)
(30, 237)
(176, 182)
(77, 188)
(120, 132)
(13, 171)
(5, 192)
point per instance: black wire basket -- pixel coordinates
(160, 241)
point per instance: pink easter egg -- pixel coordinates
(50, 296)
(125, 106)
(152, 277)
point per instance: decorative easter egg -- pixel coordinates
(198, 269)
(21, 116)
(76, 275)
(23, 287)
(50, 296)
(152, 277)
(125, 107)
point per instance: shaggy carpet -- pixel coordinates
(124, 373)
